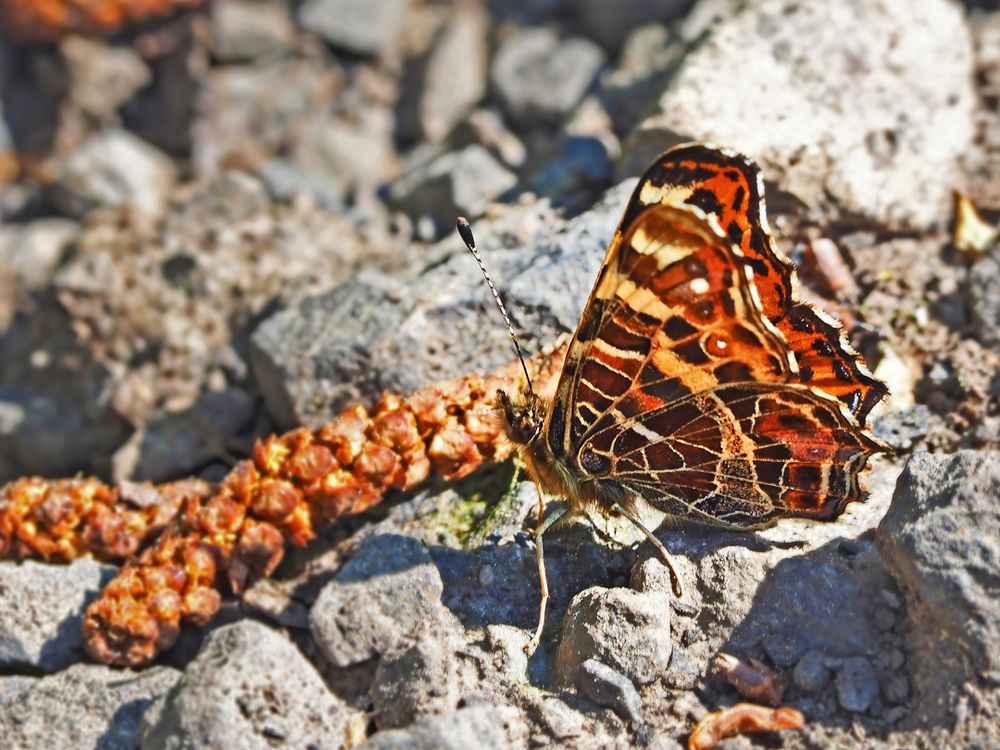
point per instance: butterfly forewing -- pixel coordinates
(730, 187)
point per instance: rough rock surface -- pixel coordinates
(626, 630)
(248, 687)
(910, 119)
(539, 78)
(85, 705)
(41, 607)
(388, 592)
(938, 539)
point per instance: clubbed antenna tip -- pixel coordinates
(465, 232)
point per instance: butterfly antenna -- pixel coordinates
(465, 232)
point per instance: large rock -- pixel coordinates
(41, 607)
(872, 126)
(86, 706)
(359, 26)
(249, 687)
(378, 333)
(539, 78)
(939, 538)
(387, 593)
(449, 80)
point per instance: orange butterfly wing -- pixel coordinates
(679, 387)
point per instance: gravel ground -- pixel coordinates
(239, 219)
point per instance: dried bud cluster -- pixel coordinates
(293, 484)
(62, 520)
(50, 20)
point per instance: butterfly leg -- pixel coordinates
(544, 524)
(675, 580)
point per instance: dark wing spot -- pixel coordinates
(706, 200)
(733, 372)
(557, 429)
(806, 373)
(738, 198)
(822, 347)
(692, 352)
(841, 371)
(677, 328)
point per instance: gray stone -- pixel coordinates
(627, 630)
(174, 445)
(902, 428)
(683, 673)
(811, 674)
(648, 57)
(350, 156)
(984, 298)
(248, 687)
(608, 687)
(377, 333)
(911, 120)
(452, 78)
(41, 607)
(488, 727)
(453, 184)
(307, 368)
(245, 30)
(56, 427)
(610, 23)
(417, 680)
(486, 128)
(857, 684)
(388, 592)
(359, 26)
(539, 79)
(114, 168)
(84, 706)
(102, 77)
(506, 645)
(939, 540)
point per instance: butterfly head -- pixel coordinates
(521, 415)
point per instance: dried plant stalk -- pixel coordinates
(293, 484)
(743, 718)
(50, 20)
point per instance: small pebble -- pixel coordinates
(857, 684)
(811, 673)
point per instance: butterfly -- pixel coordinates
(695, 380)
